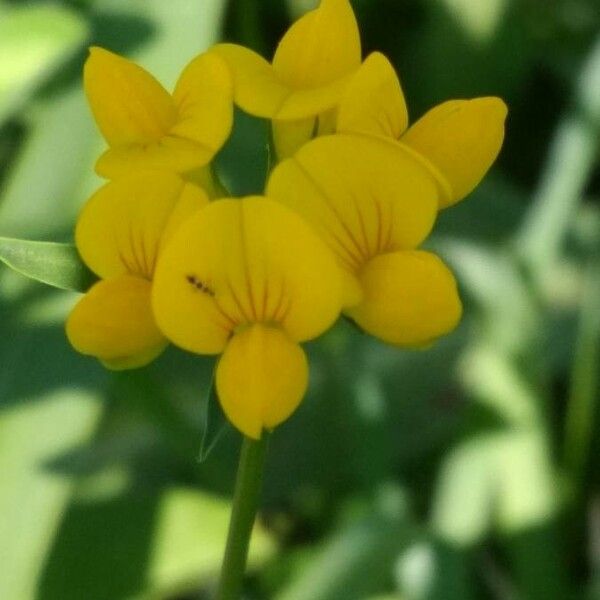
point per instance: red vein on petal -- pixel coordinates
(333, 209)
(237, 302)
(379, 210)
(246, 250)
(363, 226)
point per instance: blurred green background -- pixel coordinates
(465, 471)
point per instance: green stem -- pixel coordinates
(245, 503)
(249, 25)
(569, 167)
(583, 396)
(219, 188)
(208, 179)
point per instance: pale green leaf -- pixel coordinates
(34, 41)
(358, 560)
(569, 168)
(463, 501)
(189, 541)
(58, 265)
(496, 383)
(528, 492)
(32, 498)
(499, 479)
(479, 20)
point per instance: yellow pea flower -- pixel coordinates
(373, 204)
(148, 128)
(121, 231)
(250, 279)
(458, 140)
(310, 70)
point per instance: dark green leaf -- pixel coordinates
(215, 423)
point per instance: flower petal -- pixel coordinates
(129, 105)
(364, 195)
(170, 153)
(244, 261)
(301, 284)
(410, 298)
(257, 90)
(121, 227)
(289, 136)
(206, 177)
(191, 200)
(461, 138)
(184, 296)
(204, 99)
(261, 379)
(185, 308)
(114, 323)
(374, 103)
(304, 103)
(319, 48)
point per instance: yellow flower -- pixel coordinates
(145, 126)
(249, 278)
(311, 68)
(373, 203)
(121, 231)
(457, 140)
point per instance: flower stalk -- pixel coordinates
(243, 513)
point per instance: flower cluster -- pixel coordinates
(353, 195)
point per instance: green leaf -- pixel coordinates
(497, 384)
(189, 541)
(173, 540)
(502, 480)
(52, 174)
(358, 560)
(215, 423)
(585, 376)
(569, 168)
(34, 41)
(42, 193)
(50, 403)
(492, 279)
(463, 501)
(431, 569)
(479, 21)
(58, 265)
(32, 499)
